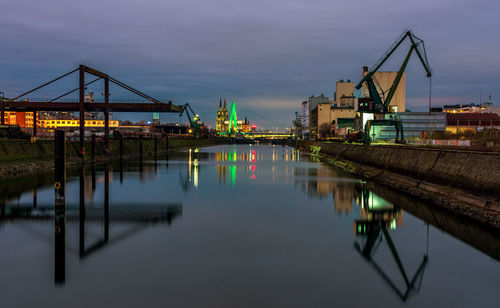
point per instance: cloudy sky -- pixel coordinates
(266, 55)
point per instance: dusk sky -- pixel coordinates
(268, 56)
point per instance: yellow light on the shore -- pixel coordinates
(74, 123)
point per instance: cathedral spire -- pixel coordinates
(220, 102)
(224, 102)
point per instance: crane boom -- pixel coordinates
(184, 108)
(194, 122)
(417, 45)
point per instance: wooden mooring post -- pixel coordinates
(121, 147)
(106, 202)
(93, 149)
(60, 207)
(140, 146)
(156, 152)
(82, 214)
(166, 147)
(140, 157)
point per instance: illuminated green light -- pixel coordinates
(233, 119)
(232, 170)
(375, 202)
(232, 156)
(393, 224)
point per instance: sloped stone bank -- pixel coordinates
(464, 182)
(470, 170)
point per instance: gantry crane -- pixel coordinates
(380, 104)
(194, 121)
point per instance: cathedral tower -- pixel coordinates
(222, 117)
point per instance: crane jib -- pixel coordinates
(417, 45)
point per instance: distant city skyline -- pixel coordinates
(266, 56)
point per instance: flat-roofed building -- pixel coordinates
(73, 123)
(315, 100)
(23, 119)
(473, 122)
(415, 124)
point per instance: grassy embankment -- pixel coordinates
(19, 156)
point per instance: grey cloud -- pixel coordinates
(282, 51)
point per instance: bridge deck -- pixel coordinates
(75, 106)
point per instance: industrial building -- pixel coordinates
(415, 124)
(471, 122)
(171, 128)
(324, 111)
(23, 119)
(384, 82)
(73, 123)
(318, 110)
(459, 108)
(484, 107)
(315, 100)
(57, 119)
(329, 114)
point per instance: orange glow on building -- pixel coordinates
(23, 119)
(60, 123)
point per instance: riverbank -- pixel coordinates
(464, 182)
(21, 156)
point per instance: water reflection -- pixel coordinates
(137, 216)
(256, 213)
(228, 162)
(377, 217)
(380, 215)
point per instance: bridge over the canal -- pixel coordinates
(55, 104)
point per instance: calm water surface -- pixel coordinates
(236, 226)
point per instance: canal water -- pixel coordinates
(236, 226)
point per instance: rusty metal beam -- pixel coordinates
(106, 117)
(94, 72)
(74, 90)
(96, 107)
(82, 110)
(43, 85)
(135, 91)
(14, 105)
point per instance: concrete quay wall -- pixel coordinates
(468, 170)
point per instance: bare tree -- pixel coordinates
(324, 130)
(297, 124)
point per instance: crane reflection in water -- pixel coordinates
(378, 219)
